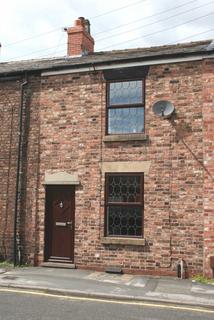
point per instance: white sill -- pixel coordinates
(123, 241)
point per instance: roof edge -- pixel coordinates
(124, 64)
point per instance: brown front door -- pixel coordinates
(59, 231)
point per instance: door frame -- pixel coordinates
(48, 221)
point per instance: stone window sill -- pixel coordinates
(125, 137)
(123, 241)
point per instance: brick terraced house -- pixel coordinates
(91, 176)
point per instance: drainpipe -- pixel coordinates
(20, 129)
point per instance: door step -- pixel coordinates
(58, 265)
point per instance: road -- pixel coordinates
(28, 305)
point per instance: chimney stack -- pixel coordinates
(80, 42)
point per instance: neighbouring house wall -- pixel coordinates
(208, 146)
(27, 223)
(29, 220)
(9, 108)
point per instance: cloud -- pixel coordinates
(23, 19)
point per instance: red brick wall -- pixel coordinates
(78, 42)
(208, 139)
(9, 106)
(70, 141)
(27, 218)
(175, 190)
(71, 126)
(67, 116)
(30, 223)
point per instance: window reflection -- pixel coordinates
(128, 92)
(126, 107)
(126, 120)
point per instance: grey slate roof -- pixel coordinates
(111, 57)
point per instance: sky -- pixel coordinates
(32, 29)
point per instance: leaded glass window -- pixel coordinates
(125, 107)
(124, 205)
(126, 92)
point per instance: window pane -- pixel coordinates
(124, 221)
(126, 120)
(124, 188)
(128, 92)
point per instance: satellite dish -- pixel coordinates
(163, 108)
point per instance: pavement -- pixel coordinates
(101, 285)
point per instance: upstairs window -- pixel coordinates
(125, 107)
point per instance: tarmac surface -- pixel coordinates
(76, 282)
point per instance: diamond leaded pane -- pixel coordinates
(124, 188)
(126, 120)
(127, 92)
(124, 221)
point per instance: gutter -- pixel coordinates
(10, 78)
(17, 195)
(126, 64)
